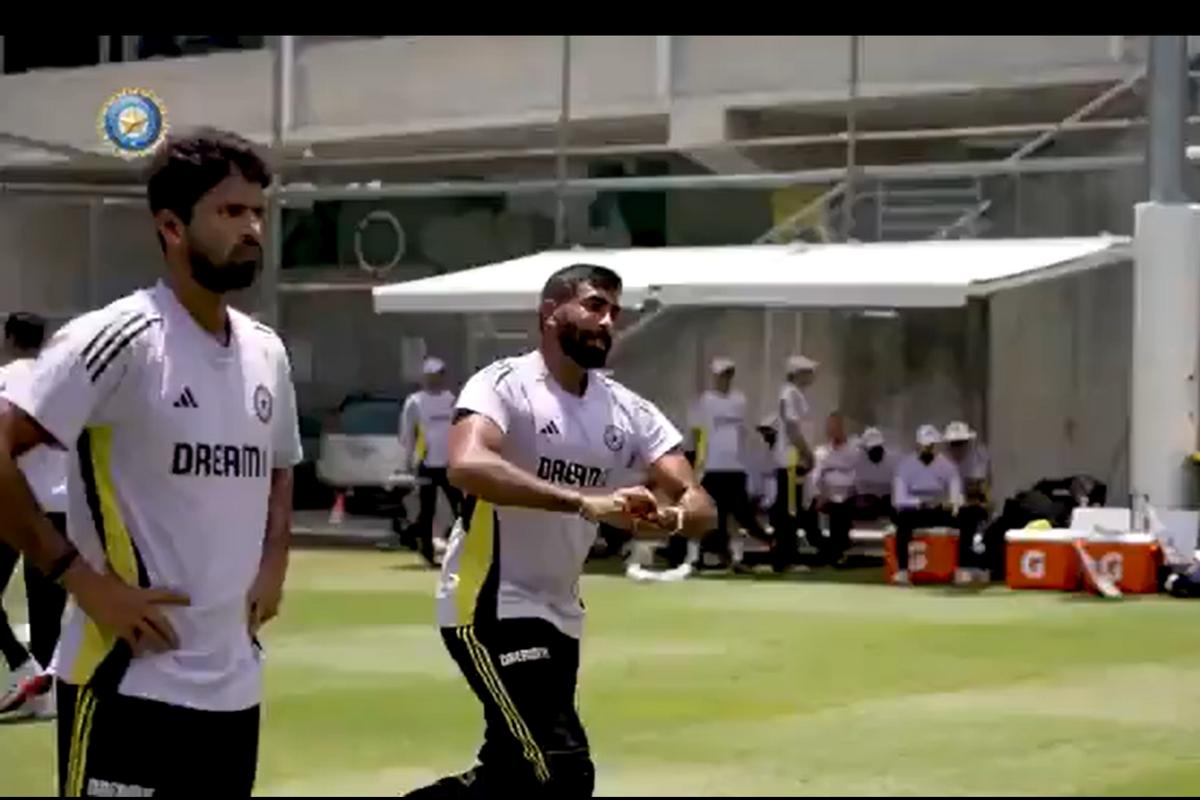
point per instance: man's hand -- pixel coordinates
(129, 612)
(620, 508)
(666, 520)
(264, 598)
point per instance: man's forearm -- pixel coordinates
(277, 540)
(23, 525)
(699, 514)
(490, 477)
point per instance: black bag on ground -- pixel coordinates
(1051, 499)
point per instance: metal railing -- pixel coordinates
(1015, 162)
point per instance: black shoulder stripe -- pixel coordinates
(503, 373)
(137, 331)
(98, 340)
(264, 328)
(125, 323)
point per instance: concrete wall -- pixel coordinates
(350, 349)
(820, 65)
(46, 263)
(1066, 204)
(892, 373)
(1059, 380)
(395, 85)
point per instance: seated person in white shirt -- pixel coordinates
(927, 493)
(874, 473)
(831, 488)
(970, 457)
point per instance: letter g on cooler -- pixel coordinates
(917, 556)
(1033, 564)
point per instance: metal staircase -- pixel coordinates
(946, 209)
(926, 209)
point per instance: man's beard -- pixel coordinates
(588, 350)
(239, 272)
(926, 456)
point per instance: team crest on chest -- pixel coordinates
(264, 403)
(614, 438)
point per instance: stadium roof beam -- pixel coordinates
(802, 140)
(648, 148)
(934, 170)
(766, 180)
(57, 148)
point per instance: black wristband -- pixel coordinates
(62, 564)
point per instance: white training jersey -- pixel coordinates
(793, 405)
(45, 468)
(875, 478)
(425, 427)
(173, 436)
(833, 471)
(975, 463)
(505, 562)
(720, 420)
(918, 483)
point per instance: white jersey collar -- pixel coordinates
(543, 373)
(169, 305)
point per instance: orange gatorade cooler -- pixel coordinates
(932, 555)
(1130, 559)
(1041, 559)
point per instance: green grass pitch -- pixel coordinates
(812, 684)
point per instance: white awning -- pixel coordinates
(926, 274)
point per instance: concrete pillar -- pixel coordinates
(1166, 336)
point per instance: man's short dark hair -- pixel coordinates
(187, 167)
(564, 284)
(25, 330)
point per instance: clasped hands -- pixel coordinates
(633, 508)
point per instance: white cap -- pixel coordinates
(799, 363)
(433, 366)
(768, 421)
(958, 431)
(721, 365)
(928, 435)
(871, 437)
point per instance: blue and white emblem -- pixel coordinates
(133, 122)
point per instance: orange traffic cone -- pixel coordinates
(337, 515)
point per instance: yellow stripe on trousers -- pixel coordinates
(487, 672)
(85, 707)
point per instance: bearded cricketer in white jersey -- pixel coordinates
(179, 414)
(541, 445)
